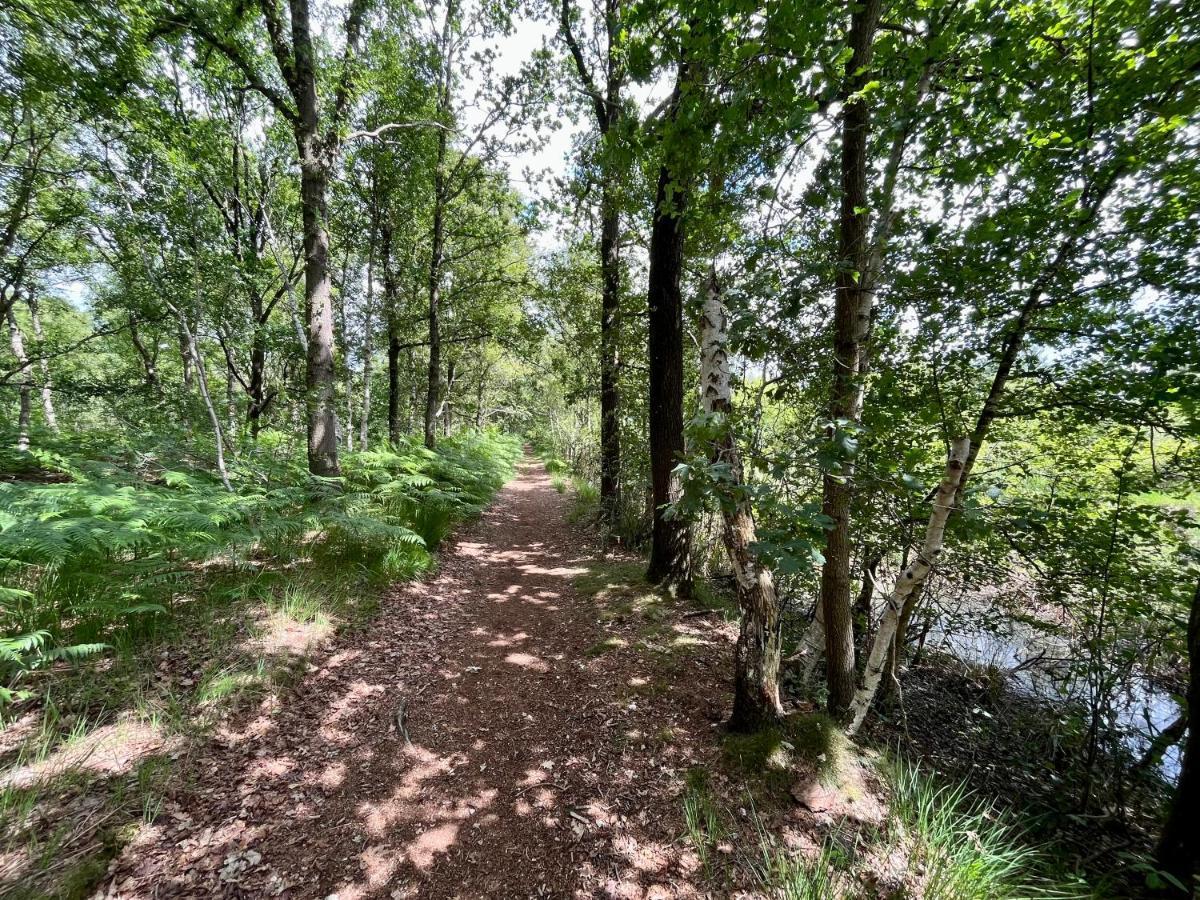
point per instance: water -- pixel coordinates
(1141, 709)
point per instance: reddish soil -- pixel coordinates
(538, 761)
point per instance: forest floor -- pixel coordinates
(521, 723)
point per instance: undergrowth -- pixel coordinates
(140, 594)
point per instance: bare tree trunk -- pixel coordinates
(185, 356)
(17, 340)
(910, 582)
(607, 109)
(44, 364)
(852, 315)
(365, 417)
(434, 370)
(670, 543)
(610, 359)
(756, 701)
(202, 381)
(437, 237)
(447, 411)
(316, 155)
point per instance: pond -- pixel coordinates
(979, 634)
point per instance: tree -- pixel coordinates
(607, 108)
(318, 140)
(851, 320)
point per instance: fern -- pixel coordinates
(87, 558)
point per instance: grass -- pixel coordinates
(703, 818)
(192, 601)
(947, 844)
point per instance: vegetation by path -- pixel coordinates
(152, 602)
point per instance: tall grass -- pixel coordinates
(964, 847)
(952, 847)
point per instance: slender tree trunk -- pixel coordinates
(214, 419)
(447, 412)
(437, 237)
(44, 364)
(607, 109)
(670, 538)
(437, 244)
(910, 582)
(365, 417)
(852, 315)
(393, 383)
(25, 388)
(610, 359)
(756, 658)
(1179, 845)
(185, 356)
(864, 602)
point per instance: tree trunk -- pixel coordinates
(447, 411)
(318, 295)
(44, 364)
(17, 340)
(185, 356)
(670, 551)
(670, 538)
(258, 367)
(610, 360)
(1179, 845)
(607, 110)
(864, 602)
(318, 306)
(365, 417)
(393, 330)
(149, 360)
(437, 239)
(910, 582)
(852, 314)
(433, 389)
(756, 658)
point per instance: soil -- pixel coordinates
(495, 732)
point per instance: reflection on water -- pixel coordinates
(1037, 659)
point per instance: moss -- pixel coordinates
(772, 756)
(605, 646)
(607, 577)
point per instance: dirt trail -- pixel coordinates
(539, 760)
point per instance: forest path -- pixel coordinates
(549, 724)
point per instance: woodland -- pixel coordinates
(599, 448)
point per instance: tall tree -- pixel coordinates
(851, 319)
(318, 140)
(606, 106)
(670, 537)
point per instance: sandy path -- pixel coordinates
(533, 767)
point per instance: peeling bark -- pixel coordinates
(910, 582)
(756, 701)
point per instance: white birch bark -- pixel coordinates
(756, 700)
(17, 340)
(44, 364)
(365, 417)
(909, 582)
